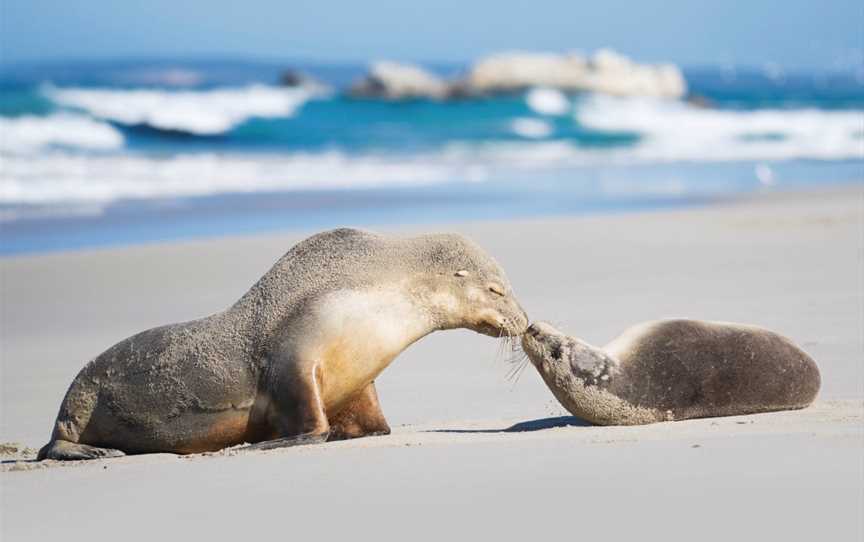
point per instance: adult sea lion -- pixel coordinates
(294, 360)
(673, 370)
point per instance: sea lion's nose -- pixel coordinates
(541, 328)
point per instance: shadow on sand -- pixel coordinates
(521, 427)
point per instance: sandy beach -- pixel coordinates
(474, 455)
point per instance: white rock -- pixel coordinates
(606, 72)
(517, 71)
(396, 81)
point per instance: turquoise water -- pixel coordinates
(97, 154)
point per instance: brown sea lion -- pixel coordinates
(673, 370)
(294, 360)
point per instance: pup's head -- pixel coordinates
(554, 353)
(545, 345)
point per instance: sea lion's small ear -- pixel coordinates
(462, 273)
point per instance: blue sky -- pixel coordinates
(792, 33)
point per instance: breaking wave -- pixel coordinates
(83, 157)
(547, 101)
(29, 133)
(58, 177)
(198, 112)
(671, 131)
(65, 177)
(531, 128)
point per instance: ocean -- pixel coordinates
(112, 153)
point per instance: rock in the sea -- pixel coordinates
(298, 79)
(606, 72)
(292, 78)
(395, 81)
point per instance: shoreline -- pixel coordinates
(554, 194)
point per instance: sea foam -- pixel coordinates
(199, 112)
(61, 177)
(531, 128)
(30, 133)
(673, 130)
(547, 101)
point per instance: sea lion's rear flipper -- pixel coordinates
(287, 442)
(63, 450)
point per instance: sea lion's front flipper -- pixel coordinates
(287, 442)
(63, 450)
(361, 418)
(296, 411)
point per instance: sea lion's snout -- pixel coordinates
(512, 318)
(515, 319)
(545, 345)
(506, 322)
(539, 329)
(520, 319)
(530, 338)
(497, 313)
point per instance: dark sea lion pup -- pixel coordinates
(294, 360)
(673, 370)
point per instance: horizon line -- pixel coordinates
(288, 61)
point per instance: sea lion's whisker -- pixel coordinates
(512, 372)
(505, 346)
(505, 342)
(517, 373)
(518, 361)
(512, 359)
(502, 338)
(520, 373)
(515, 356)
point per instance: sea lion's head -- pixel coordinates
(466, 288)
(545, 346)
(555, 353)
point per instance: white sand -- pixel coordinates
(792, 263)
